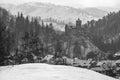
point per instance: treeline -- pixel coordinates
(105, 33)
(24, 39)
(28, 40)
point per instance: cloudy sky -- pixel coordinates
(73, 3)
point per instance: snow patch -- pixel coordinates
(39, 71)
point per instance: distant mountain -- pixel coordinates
(62, 13)
(110, 9)
(95, 12)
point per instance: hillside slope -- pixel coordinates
(49, 72)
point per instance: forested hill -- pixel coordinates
(105, 32)
(23, 37)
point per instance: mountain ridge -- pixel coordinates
(63, 13)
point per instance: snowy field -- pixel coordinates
(48, 72)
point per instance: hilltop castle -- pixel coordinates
(71, 29)
(77, 36)
(74, 32)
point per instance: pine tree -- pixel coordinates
(77, 50)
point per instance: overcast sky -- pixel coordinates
(73, 3)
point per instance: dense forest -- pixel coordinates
(24, 39)
(105, 33)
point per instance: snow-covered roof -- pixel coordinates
(118, 61)
(82, 62)
(48, 57)
(117, 54)
(98, 69)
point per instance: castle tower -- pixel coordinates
(78, 23)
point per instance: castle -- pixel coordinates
(71, 30)
(75, 33)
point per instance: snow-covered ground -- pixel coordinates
(41, 71)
